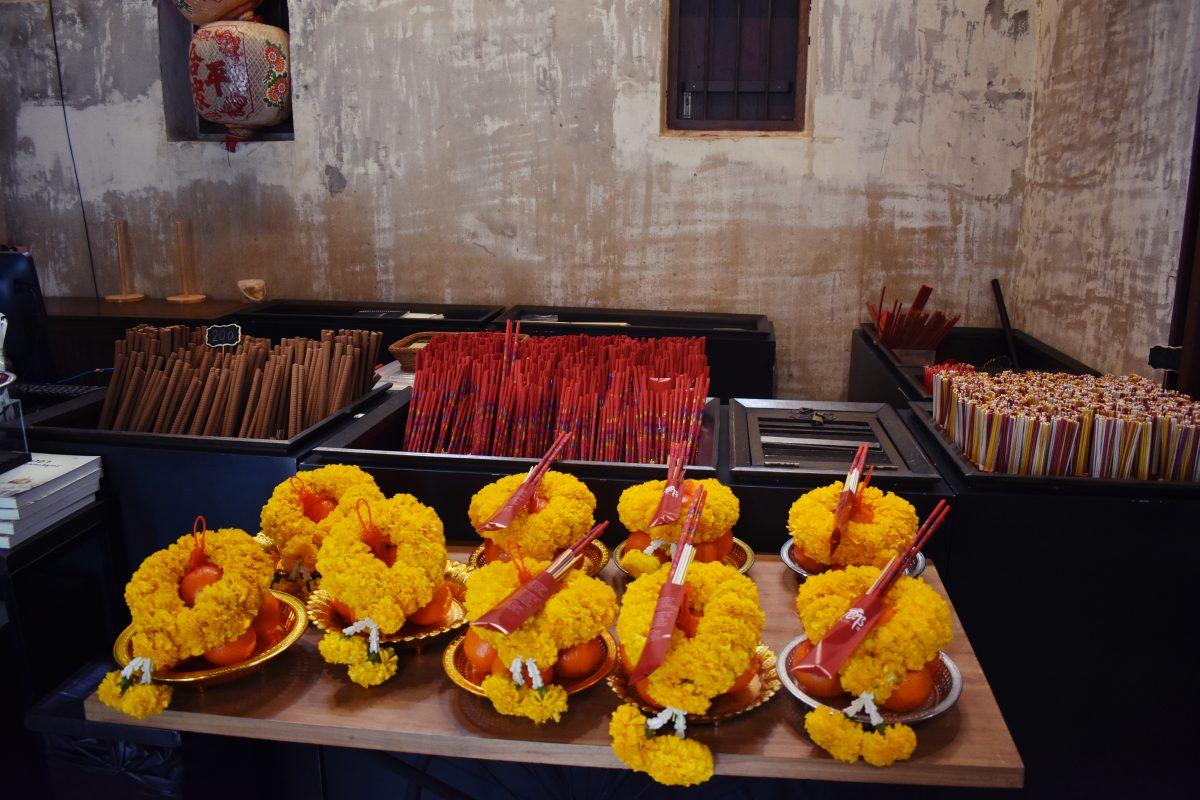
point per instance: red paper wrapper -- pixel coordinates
(670, 506)
(847, 633)
(529, 598)
(525, 495)
(847, 499)
(670, 597)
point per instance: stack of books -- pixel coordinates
(44, 491)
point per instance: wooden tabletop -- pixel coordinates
(298, 698)
(148, 309)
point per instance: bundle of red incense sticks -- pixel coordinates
(912, 328)
(496, 394)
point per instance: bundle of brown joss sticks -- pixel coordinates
(167, 380)
(911, 328)
(1042, 423)
(498, 394)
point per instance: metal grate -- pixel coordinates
(811, 439)
(737, 64)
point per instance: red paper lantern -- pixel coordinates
(202, 12)
(241, 75)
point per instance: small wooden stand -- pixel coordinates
(183, 241)
(125, 295)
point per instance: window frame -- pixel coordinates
(672, 123)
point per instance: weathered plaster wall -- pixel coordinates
(508, 151)
(1110, 147)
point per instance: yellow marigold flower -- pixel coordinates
(351, 573)
(884, 748)
(540, 705)
(567, 515)
(296, 536)
(337, 648)
(666, 758)
(637, 563)
(909, 640)
(138, 700)
(879, 529)
(167, 631)
(638, 503)
(696, 670)
(835, 733)
(578, 612)
(370, 673)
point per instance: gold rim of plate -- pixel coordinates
(723, 707)
(595, 557)
(454, 661)
(741, 557)
(325, 619)
(123, 652)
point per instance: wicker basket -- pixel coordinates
(405, 351)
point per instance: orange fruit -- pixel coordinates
(814, 685)
(200, 577)
(233, 651)
(579, 661)
(912, 691)
(380, 545)
(494, 552)
(479, 653)
(715, 550)
(317, 506)
(267, 623)
(807, 564)
(637, 540)
(434, 612)
(744, 679)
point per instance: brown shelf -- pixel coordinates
(301, 699)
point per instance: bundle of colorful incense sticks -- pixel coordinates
(496, 394)
(946, 366)
(912, 328)
(167, 380)
(1041, 423)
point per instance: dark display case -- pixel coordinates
(877, 374)
(278, 319)
(162, 481)
(740, 347)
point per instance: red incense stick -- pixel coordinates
(525, 493)
(848, 497)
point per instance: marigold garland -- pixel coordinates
(918, 629)
(577, 613)
(296, 536)
(845, 739)
(567, 515)
(138, 700)
(165, 630)
(698, 669)
(668, 759)
(353, 651)
(637, 505)
(540, 705)
(882, 525)
(352, 574)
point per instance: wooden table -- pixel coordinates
(299, 698)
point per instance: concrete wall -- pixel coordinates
(1110, 148)
(488, 151)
